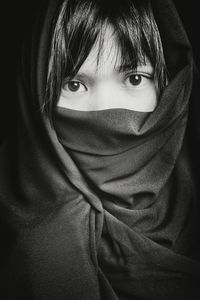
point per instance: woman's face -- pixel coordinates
(100, 84)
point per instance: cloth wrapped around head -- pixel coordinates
(103, 204)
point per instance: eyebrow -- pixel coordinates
(128, 67)
(124, 68)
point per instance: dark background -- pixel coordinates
(18, 17)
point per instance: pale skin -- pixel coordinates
(102, 85)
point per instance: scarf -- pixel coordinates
(105, 205)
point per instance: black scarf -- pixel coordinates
(106, 206)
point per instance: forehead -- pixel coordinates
(105, 54)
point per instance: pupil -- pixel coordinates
(73, 86)
(135, 79)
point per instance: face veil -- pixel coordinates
(104, 204)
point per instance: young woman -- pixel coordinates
(99, 182)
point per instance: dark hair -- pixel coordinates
(79, 24)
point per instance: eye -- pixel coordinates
(138, 80)
(135, 79)
(74, 86)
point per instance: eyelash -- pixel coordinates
(140, 75)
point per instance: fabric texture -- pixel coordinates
(105, 205)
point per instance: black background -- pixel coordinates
(18, 17)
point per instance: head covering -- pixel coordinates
(105, 205)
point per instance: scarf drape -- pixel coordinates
(105, 205)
